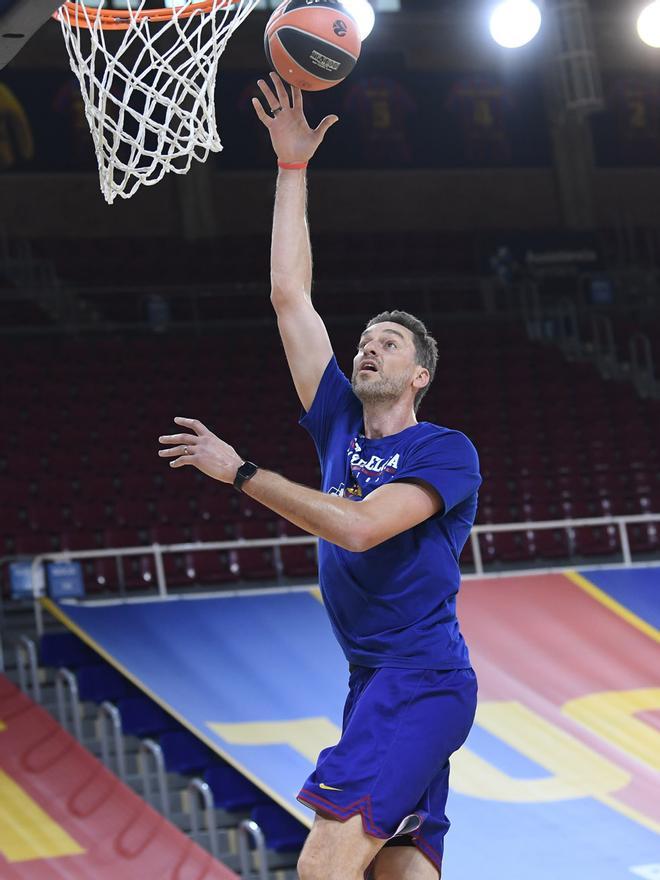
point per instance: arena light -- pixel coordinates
(363, 13)
(514, 23)
(648, 25)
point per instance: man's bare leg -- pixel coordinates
(403, 863)
(337, 850)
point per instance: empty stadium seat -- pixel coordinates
(299, 560)
(65, 649)
(231, 790)
(256, 563)
(283, 832)
(185, 753)
(102, 682)
(141, 717)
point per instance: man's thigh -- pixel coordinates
(403, 863)
(343, 847)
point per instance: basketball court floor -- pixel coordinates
(559, 777)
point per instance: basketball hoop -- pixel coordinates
(148, 77)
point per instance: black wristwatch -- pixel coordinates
(245, 472)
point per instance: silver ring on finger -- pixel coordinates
(185, 450)
(276, 110)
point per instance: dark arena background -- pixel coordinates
(167, 671)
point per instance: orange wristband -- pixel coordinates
(290, 166)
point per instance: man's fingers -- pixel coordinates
(176, 451)
(177, 439)
(282, 95)
(268, 94)
(325, 124)
(181, 461)
(297, 98)
(261, 113)
(194, 425)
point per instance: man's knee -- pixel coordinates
(308, 866)
(337, 851)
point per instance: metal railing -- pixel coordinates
(621, 523)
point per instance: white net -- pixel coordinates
(149, 89)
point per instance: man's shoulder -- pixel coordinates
(430, 431)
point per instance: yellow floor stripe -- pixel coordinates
(26, 831)
(619, 609)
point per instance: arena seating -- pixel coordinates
(80, 466)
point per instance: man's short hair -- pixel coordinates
(426, 348)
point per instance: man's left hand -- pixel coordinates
(208, 453)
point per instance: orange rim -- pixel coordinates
(122, 19)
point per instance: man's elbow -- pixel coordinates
(361, 537)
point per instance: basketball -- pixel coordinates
(312, 44)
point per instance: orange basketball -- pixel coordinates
(312, 44)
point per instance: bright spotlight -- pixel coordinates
(648, 25)
(363, 13)
(515, 23)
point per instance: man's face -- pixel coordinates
(385, 363)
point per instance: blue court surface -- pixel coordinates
(641, 595)
(559, 779)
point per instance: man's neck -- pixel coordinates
(383, 419)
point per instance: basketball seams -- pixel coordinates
(297, 66)
(316, 72)
(290, 27)
(295, 14)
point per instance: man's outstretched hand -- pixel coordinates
(292, 138)
(207, 452)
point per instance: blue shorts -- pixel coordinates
(391, 764)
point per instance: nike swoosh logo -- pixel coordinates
(329, 787)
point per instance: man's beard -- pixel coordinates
(378, 390)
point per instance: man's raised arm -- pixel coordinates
(303, 333)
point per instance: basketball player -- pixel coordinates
(396, 506)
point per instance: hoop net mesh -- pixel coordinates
(149, 87)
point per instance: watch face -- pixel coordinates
(245, 471)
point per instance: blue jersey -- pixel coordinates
(394, 605)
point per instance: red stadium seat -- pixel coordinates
(179, 567)
(169, 534)
(257, 528)
(256, 563)
(123, 537)
(79, 539)
(98, 488)
(89, 514)
(506, 547)
(644, 538)
(596, 541)
(299, 560)
(213, 567)
(133, 512)
(173, 510)
(33, 543)
(552, 544)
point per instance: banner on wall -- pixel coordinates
(628, 132)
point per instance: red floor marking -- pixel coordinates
(122, 836)
(543, 641)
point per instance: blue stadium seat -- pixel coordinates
(141, 717)
(99, 683)
(185, 753)
(65, 649)
(232, 791)
(282, 831)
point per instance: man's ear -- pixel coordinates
(422, 378)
